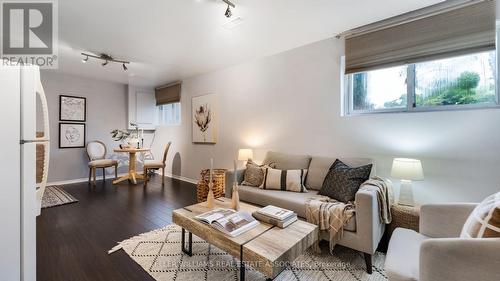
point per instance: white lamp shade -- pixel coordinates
(407, 169)
(245, 154)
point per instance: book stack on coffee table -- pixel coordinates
(276, 216)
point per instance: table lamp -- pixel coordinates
(407, 170)
(245, 154)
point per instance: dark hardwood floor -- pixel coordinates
(73, 240)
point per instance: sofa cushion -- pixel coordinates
(402, 262)
(319, 167)
(285, 161)
(294, 201)
(288, 200)
(342, 182)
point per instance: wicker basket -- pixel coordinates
(405, 217)
(219, 180)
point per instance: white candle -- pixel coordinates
(211, 168)
(235, 167)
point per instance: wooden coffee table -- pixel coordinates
(266, 248)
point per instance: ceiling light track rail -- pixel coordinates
(229, 3)
(106, 58)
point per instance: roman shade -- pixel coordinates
(467, 29)
(170, 93)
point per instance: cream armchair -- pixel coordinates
(437, 254)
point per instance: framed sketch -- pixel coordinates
(72, 108)
(71, 135)
(204, 119)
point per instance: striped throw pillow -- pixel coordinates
(286, 180)
(484, 221)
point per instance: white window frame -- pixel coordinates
(498, 57)
(161, 119)
(348, 105)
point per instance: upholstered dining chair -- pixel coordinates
(156, 164)
(96, 151)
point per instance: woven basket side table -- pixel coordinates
(405, 217)
(219, 180)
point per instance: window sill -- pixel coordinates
(168, 125)
(427, 109)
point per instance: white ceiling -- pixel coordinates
(168, 40)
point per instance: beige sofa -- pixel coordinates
(363, 231)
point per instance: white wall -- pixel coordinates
(106, 110)
(290, 102)
(497, 11)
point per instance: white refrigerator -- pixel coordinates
(21, 90)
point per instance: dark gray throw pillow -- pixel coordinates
(342, 182)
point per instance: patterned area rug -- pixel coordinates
(159, 253)
(55, 196)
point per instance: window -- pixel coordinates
(460, 82)
(367, 87)
(170, 114)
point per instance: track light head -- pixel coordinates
(84, 60)
(125, 67)
(106, 58)
(228, 12)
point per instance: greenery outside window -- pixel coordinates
(466, 81)
(170, 114)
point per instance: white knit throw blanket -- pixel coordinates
(332, 215)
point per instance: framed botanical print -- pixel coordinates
(204, 126)
(73, 109)
(71, 135)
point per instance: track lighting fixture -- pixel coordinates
(228, 12)
(106, 60)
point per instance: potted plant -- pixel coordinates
(131, 137)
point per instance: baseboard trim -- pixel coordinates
(169, 175)
(82, 180)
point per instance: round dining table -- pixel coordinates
(132, 173)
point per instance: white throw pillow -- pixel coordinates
(484, 221)
(286, 180)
